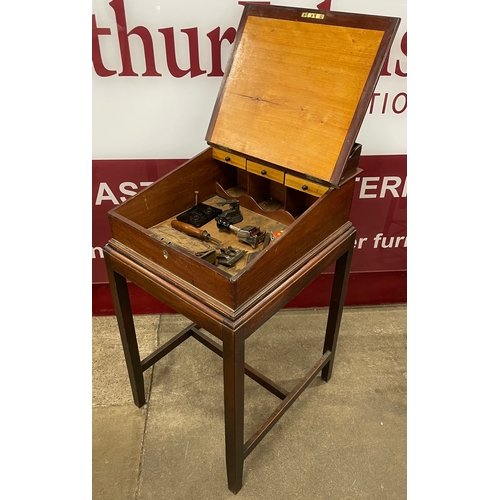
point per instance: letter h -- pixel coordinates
(142, 32)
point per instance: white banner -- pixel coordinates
(158, 66)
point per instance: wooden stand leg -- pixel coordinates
(121, 302)
(234, 371)
(337, 299)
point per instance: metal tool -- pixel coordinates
(190, 230)
(228, 256)
(233, 214)
(252, 235)
(208, 255)
(266, 242)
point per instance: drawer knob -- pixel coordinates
(263, 172)
(304, 187)
(227, 158)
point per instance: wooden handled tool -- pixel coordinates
(190, 230)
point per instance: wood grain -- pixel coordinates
(265, 171)
(165, 232)
(293, 91)
(305, 185)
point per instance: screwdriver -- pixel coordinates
(190, 230)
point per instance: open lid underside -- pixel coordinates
(296, 88)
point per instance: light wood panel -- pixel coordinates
(305, 185)
(293, 90)
(230, 158)
(265, 171)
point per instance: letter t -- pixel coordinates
(96, 49)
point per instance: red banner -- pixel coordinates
(378, 208)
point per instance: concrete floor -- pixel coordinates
(345, 439)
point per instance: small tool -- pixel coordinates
(208, 255)
(266, 242)
(252, 235)
(200, 214)
(233, 214)
(190, 230)
(229, 256)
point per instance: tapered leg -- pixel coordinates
(234, 371)
(121, 302)
(337, 299)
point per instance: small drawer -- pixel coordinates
(305, 185)
(231, 158)
(264, 171)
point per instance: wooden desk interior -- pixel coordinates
(165, 232)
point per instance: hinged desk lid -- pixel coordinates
(298, 84)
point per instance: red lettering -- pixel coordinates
(399, 111)
(326, 5)
(399, 71)
(398, 103)
(372, 101)
(194, 56)
(99, 67)
(385, 70)
(142, 32)
(385, 103)
(216, 41)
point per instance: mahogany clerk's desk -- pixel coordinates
(233, 328)
(281, 142)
